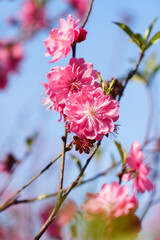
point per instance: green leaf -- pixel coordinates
(153, 40)
(149, 29)
(138, 77)
(136, 38)
(103, 86)
(98, 155)
(110, 88)
(122, 154)
(155, 70)
(30, 141)
(140, 39)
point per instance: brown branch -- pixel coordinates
(61, 200)
(8, 202)
(131, 74)
(46, 196)
(88, 13)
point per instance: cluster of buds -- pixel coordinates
(83, 145)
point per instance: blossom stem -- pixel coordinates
(61, 200)
(83, 169)
(88, 13)
(64, 138)
(8, 202)
(74, 50)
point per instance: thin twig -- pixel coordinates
(64, 138)
(46, 196)
(82, 171)
(131, 74)
(61, 200)
(88, 13)
(18, 164)
(8, 202)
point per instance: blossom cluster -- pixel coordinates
(74, 90)
(91, 113)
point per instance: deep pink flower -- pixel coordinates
(79, 5)
(138, 170)
(111, 202)
(64, 81)
(91, 114)
(33, 15)
(60, 40)
(3, 79)
(8, 164)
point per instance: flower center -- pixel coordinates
(91, 112)
(134, 174)
(75, 86)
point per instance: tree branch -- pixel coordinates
(8, 202)
(131, 74)
(87, 15)
(61, 200)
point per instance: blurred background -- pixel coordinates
(23, 117)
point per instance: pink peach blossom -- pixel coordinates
(111, 202)
(80, 6)
(33, 15)
(60, 40)
(91, 114)
(138, 170)
(64, 81)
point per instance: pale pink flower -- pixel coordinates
(67, 213)
(64, 81)
(91, 114)
(79, 5)
(33, 15)
(138, 170)
(111, 202)
(64, 216)
(60, 40)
